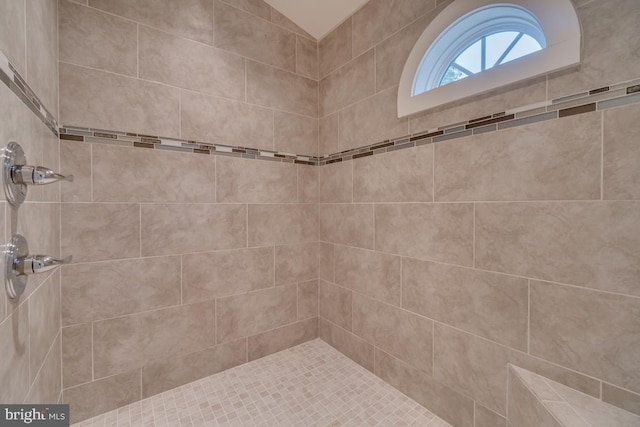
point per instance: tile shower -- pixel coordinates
(247, 201)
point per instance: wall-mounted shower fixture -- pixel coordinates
(17, 175)
(19, 265)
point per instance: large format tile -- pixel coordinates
(308, 299)
(438, 232)
(350, 225)
(239, 32)
(103, 290)
(621, 398)
(281, 90)
(552, 160)
(621, 153)
(103, 395)
(98, 231)
(126, 343)
(108, 101)
(334, 50)
(165, 374)
(12, 33)
(328, 135)
(352, 82)
(255, 7)
(295, 134)
(98, 40)
(491, 305)
(335, 304)
(487, 418)
(524, 407)
(353, 347)
(212, 275)
(176, 229)
(123, 174)
(47, 384)
(446, 403)
(248, 181)
(336, 182)
(308, 184)
(77, 355)
(189, 18)
(296, 263)
(588, 331)
(282, 224)
(224, 121)
(279, 339)
(190, 65)
(42, 51)
(284, 22)
(44, 321)
(402, 334)
(14, 365)
(249, 314)
(326, 262)
(400, 176)
(570, 242)
(368, 272)
(307, 57)
(75, 157)
(372, 120)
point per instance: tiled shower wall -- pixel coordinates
(30, 366)
(441, 264)
(185, 264)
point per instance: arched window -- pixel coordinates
(474, 46)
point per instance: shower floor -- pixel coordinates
(308, 385)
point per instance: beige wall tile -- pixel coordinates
(358, 75)
(372, 120)
(175, 229)
(75, 158)
(280, 90)
(573, 327)
(282, 224)
(126, 343)
(621, 398)
(487, 418)
(326, 262)
(165, 374)
(399, 176)
(378, 19)
(12, 33)
(210, 119)
(279, 339)
(335, 304)
(336, 182)
(621, 153)
(347, 225)
(190, 65)
(552, 160)
(239, 32)
(328, 136)
(402, 334)
(353, 347)
(524, 408)
(98, 40)
(421, 387)
(308, 300)
(42, 51)
(284, 22)
(255, 7)
(44, 321)
(307, 57)
(249, 314)
(334, 50)
(76, 355)
(436, 232)
(296, 263)
(250, 181)
(97, 397)
(308, 184)
(295, 134)
(370, 273)
(219, 274)
(116, 227)
(190, 18)
(522, 239)
(473, 366)
(108, 101)
(14, 364)
(605, 54)
(491, 305)
(47, 385)
(123, 174)
(103, 290)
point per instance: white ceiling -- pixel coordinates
(317, 17)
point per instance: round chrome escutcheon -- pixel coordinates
(16, 248)
(13, 155)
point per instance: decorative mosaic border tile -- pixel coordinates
(14, 81)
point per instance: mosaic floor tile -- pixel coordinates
(308, 385)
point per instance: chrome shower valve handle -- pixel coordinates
(36, 175)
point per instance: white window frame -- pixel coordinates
(558, 20)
